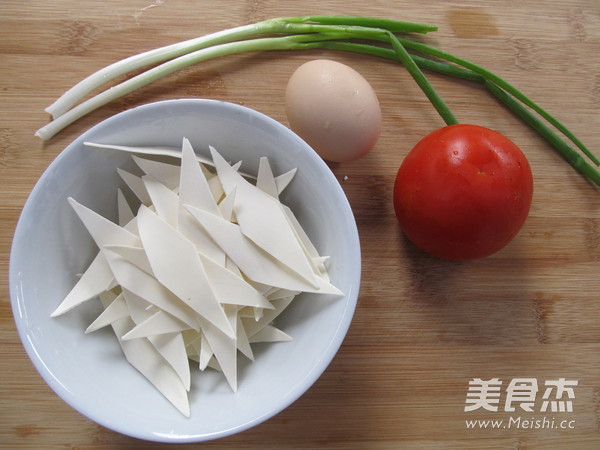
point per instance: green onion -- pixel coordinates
(394, 26)
(568, 153)
(424, 63)
(157, 72)
(311, 37)
(285, 26)
(110, 72)
(377, 38)
(565, 150)
(422, 81)
(427, 49)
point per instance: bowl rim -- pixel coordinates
(343, 325)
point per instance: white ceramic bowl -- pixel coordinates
(51, 246)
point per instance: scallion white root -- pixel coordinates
(155, 56)
(157, 72)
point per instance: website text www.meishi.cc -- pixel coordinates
(521, 423)
(530, 423)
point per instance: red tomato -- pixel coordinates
(463, 192)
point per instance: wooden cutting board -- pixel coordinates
(424, 328)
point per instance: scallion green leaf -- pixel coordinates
(565, 150)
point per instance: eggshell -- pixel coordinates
(334, 109)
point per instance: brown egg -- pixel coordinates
(334, 109)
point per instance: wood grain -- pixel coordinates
(423, 327)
